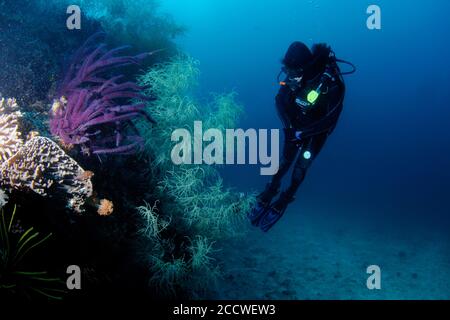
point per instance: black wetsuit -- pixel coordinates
(316, 123)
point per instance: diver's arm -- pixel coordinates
(324, 125)
(327, 123)
(280, 102)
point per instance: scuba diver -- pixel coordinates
(309, 104)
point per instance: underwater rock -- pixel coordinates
(10, 134)
(44, 168)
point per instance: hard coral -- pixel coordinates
(10, 134)
(43, 167)
(93, 107)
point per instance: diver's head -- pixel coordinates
(302, 63)
(296, 60)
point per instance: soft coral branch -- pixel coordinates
(92, 105)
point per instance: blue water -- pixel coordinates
(386, 167)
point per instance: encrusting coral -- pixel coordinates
(44, 168)
(93, 107)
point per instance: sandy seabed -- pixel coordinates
(311, 257)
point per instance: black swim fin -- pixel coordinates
(275, 212)
(256, 213)
(263, 202)
(271, 217)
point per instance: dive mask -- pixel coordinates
(294, 77)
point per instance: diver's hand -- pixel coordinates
(297, 136)
(293, 135)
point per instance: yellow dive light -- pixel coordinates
(312, 97)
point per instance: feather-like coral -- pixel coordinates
(153, 224)
(193, 197)
(196, 193)
(93, 107)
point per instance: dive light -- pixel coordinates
(313, 95)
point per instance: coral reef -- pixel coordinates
(43, 167)
(96, 110)
(10, 134)
(191, 210)
(93, 108)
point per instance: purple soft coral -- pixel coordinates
(93, 107)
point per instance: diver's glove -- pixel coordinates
(296, 137)
(292, 134)
(299, 135)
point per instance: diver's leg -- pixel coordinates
(273, 188)
(309, 151)
(290, 151)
